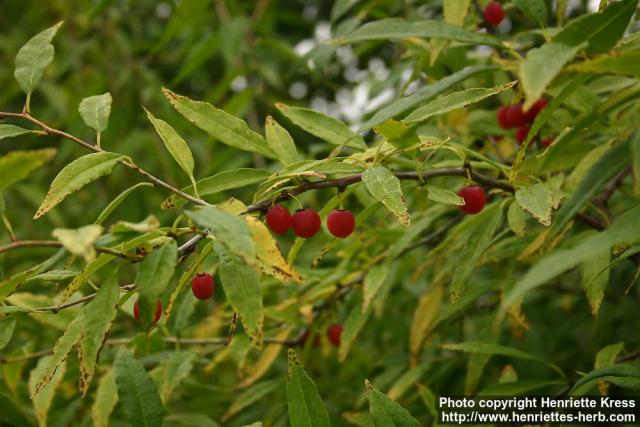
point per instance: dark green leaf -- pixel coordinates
(306, 408)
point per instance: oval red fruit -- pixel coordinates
(158, 313)
(501, 115)
(474, 199)
(278, 219)
(333, 333)
(306, 223)
(203, 286)
(341, 223)
(515, 116)
(493, 13)
(521, 134)
(535, 109)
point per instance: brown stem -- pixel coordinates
(18, 244)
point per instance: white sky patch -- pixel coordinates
(239, 83)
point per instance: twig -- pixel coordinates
(56, 308)
(149, 177)
(18, 244)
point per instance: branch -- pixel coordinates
(149, 177)
(56, 308)
(18, 244)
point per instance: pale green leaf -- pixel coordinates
(147, 225)
(223, 126)
(595, 278)
(455, 11)
(517, 219)
(137, 393)
(11, 131)
(176, 146)
(76, 175)
(118, 200)
(385, 412)
(398, 134)
(537, 200)
(306, 408)
(222, 181)
(242, 288)
(626, 375)
(175, 369)
(229, 229)
(95, 111)
(607, 355)
(9, 285)
(454, 101)
(324, 127)
(281, 142)
(541, 66)
(18, 164)
(622, 63)
(80, 241)
(33, 58)
(154, 274)
(385, 187)
(44, 398)
(7, 327)
(356, 320)
(372, 283)
(424, 318)
(396, 28)
(250, 396)
(441, 195)
(99, 315)
(105, 400)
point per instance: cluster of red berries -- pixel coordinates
(334, 332)
(493, 13)
(306, 222)
(202, 285)
(513, 116)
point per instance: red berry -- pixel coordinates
(341, 223)
(334, 332)
(278, 219)
(306, 222)
(501, 115)
(535, 109)
(305, 337)
(548, 141)
(474, 199)
(203, 285)
(493, 13)
(521, 134)
(515, 116)
(158, 314)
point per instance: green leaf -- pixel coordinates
(424, 318)
(635, 160)
(340, 7)
(324, 127)
(137, 393)
(281, 142)
(241, 286)
(8, 286)
(595, 278)
(356, 320)
(541, 66)
(250, 396)
(454, 101)
(622, 63)
(605, 168)
(154, 274)
(455, 11)
(441, 195)
(396, 28)
(177, 147)
(18, 164)
(222, 181)
(228, 228)
(481, 229)
(517, 219)
(11, 131)
(119, 199)
(7, 327)
(175, 369)
(99, 315)
(535, 10)
(386, 412)
(624, 230)
(600, 30)
(306, 408)
(537, 200)
(105, 399)
(79, 242)
(372, 283)
(11, 413)
(60, 353)
(398, 134)
(626, 375)
(44, 398)
(607, 355)
(33, 58)
(385, 187)
(223, 126)
(424, 94)
(95, 111)
(76, 175)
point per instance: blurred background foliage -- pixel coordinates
(244, 56)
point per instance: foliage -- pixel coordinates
(142, 143)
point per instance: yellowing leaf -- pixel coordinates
(43, 400)
(18, 164)
(423, 319)
(11, 131)
(79, 242)
(267, 357)
(281, 142)
(537, 199)
(105, 399)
